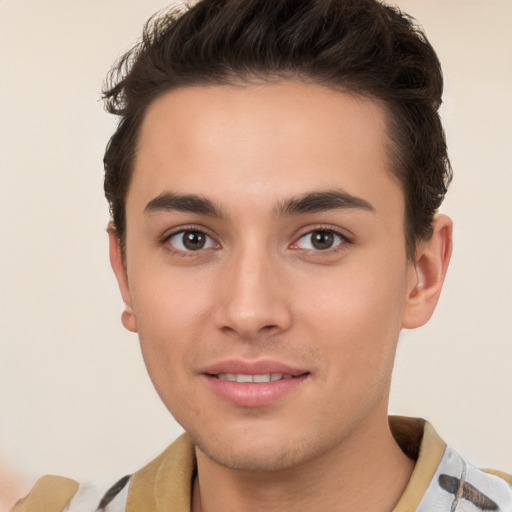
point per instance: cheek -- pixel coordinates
(358, 316)
(167, 337)
(170, 314)
(166, 301)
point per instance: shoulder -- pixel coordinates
(59, 494)
(457, 482)
(166, 479)
(500, 474)
(442, 479)
(49, 493)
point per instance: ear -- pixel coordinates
(426, 275)
(119, 268)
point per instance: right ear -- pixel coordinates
(119, 268)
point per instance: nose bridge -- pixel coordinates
(252, 299)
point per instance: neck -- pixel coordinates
(368, 471)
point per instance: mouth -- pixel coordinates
(255, 378)
(252, 385)
(264, 370)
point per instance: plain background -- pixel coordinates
(74, 395)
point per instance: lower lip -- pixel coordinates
(247, 394)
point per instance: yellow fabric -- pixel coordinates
(49, 494)
(165, 483)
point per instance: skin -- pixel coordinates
(261, 290)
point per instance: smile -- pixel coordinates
(257, 378)
(255, 389)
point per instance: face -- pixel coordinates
(266, 269)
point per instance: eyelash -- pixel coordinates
(343, 241)
(184, 252)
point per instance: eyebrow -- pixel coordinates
(315, 202)
(170, 201)
(312, 202)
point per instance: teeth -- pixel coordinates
(265, 377)
(261, 378)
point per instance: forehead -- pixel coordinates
(268, 140)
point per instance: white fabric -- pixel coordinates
(476, 491)
(88, 498)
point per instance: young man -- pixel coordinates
(274, 184)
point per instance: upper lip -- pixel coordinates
(261, 367)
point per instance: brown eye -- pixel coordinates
(191, 240)
(320, 240)
(194, 240)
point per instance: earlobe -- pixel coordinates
(427, 275)
(119, 268)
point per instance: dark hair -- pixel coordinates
(361, 46)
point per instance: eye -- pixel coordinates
(320, 240)
(191, 240)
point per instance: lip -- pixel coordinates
(253, 394)
(252, 367)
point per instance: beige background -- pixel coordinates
(74, 395)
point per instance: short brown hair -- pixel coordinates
(361, 46)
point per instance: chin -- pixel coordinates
(258, 451)
(254, 460)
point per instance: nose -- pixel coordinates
(253, 300)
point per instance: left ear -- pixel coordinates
(427, 275)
